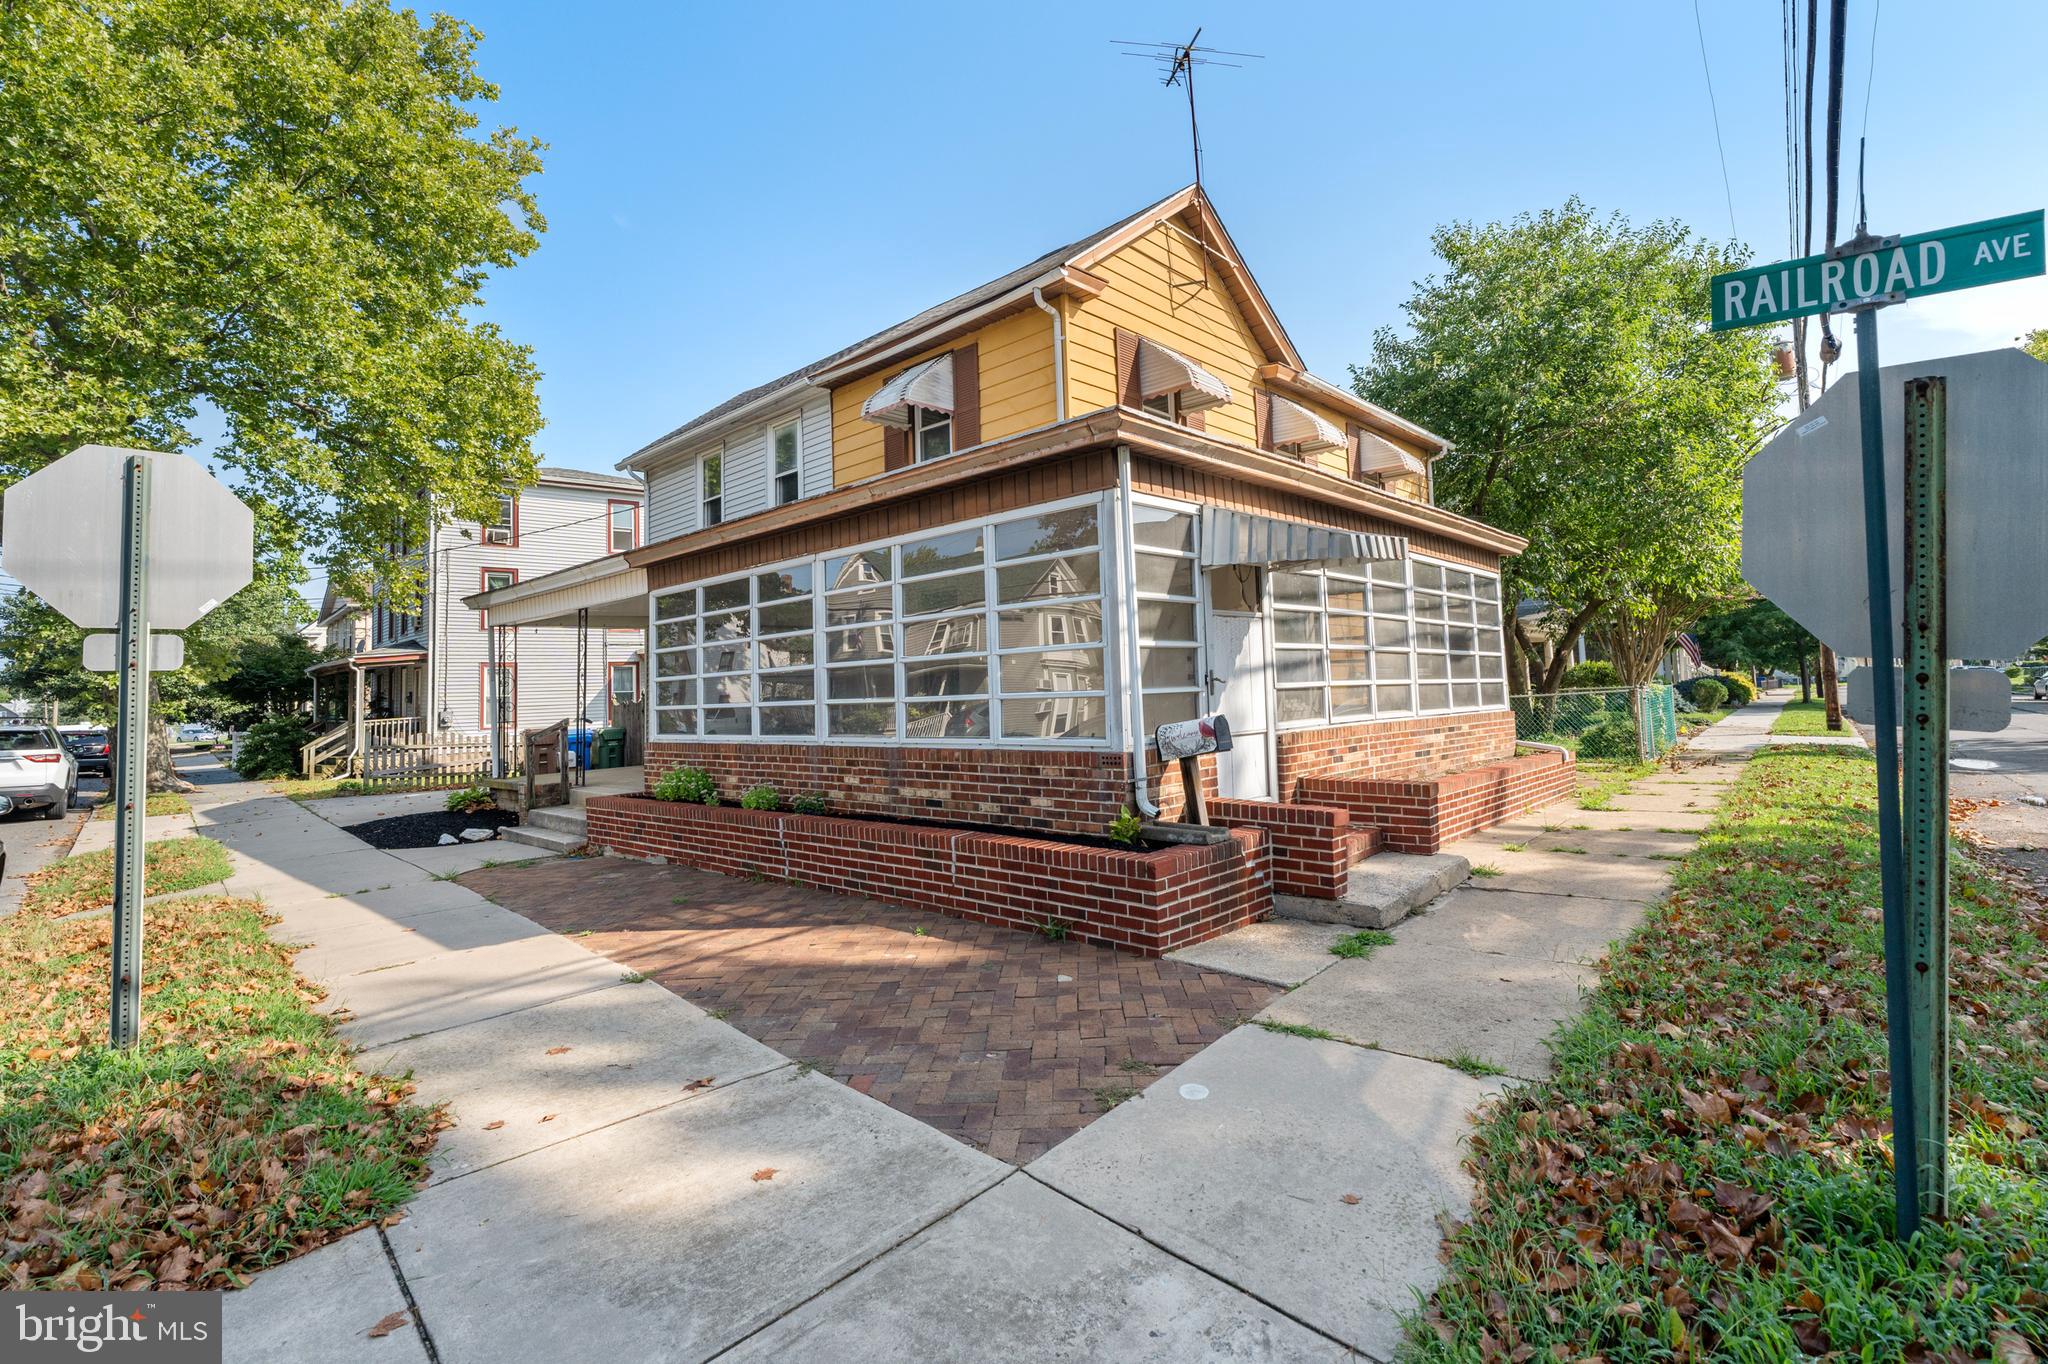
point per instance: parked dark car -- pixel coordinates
(91, 748)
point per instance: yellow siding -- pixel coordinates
(1016, 391)
(1162, 286)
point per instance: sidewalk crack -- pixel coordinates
(419, 1322)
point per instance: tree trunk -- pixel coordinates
(162, 775)
(1830, 687)
(1805, 691)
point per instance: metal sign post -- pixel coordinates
(131, 775)
(1891, 871)
(1926, 793)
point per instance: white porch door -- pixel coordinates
(1239, 683)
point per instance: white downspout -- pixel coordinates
(1127, 589)
(1059, 352)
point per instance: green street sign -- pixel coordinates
(1926, 263)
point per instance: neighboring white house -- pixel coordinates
(430, 664)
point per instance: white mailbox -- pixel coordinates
(1191, 738)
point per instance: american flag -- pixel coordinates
(1691, 647)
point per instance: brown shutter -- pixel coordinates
(966, 397)
(1127, 394)
(895, 448)
(1196, 420)
(1351, 451)
(1262, 419)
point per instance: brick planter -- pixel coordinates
(1312, 847)
(1422, 815)
(1147, 901)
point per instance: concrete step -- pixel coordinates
(566, 819)
(554, 840)
(1385, 889)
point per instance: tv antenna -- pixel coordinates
(1177, 63)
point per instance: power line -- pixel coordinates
(1715, 107)
(1870, 66)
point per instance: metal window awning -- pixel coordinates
(1162, 371)
(1235, 537)
(601, 594)
(929, 384)
(1296, 428)
(1377, 455)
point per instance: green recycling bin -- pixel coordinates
(611, 748)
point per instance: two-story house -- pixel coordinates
(963, 569)
(432, 664)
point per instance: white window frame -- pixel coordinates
(706, 499)
(1197, 600)
(795, 472)
(990, 609)
(923, 419)
(1170, 408)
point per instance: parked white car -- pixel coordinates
(37, 771)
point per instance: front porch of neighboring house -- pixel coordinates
(369, 702)
(592, 599)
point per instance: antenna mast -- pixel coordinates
(1177, 63)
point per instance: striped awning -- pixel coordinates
(1297, 428)
(928, 384)
(1162, 371)
(1235, 537)
(1377, 455)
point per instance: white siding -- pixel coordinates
(559, 525)
(673, 491)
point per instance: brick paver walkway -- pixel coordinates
(1004, 1039)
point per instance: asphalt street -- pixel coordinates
(31, 841)
(2010, 767)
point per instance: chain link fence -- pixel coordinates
(1626, 724)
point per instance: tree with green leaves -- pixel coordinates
(2035, 343)
(1567, 359)
(1758, 635)
(271, 220)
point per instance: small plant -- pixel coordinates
(1708, 693)
(1109, 1096)
(1055, 929)
(1297, 1030)
(1485, 869)
(1473, 1065)
(761, 797)
(1514, 847)
(687, 783)
(920, 931)
(1362, 944)
(471, 799)
(810, 803)
(631, 977)
(1592, 674)
(1132, 1065)
(1126, 827)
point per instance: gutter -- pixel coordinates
(1059, 352)
(1127, 622)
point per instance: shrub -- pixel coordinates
(687, 783)
(1126, 827)
(1741, 691)
(762, 797)
(810, 804)
(1609, 739)
(271, 747)
(470, 799)
(1594, 672)
(1709, 694)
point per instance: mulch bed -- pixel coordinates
(425, 830)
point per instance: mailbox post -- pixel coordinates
(1188, 740)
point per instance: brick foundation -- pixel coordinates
(1387, 750)
(1146, 901)
(1310, 848)
(1422, 815)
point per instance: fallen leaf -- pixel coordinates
(556, 1051)
(763, 1175)
(547, 1117)
(2010, 1347)
(494, 1126)
(1351, 1198)
(703, 1083)
(389, 1324)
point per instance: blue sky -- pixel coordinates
(733, 191)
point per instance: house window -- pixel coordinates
(1165, 405)
(623, 525)
(493, 579)
(505, 529)
(624, 688)
(1388, 638)
(788, 475)
(931, 433)
(508, 694)
(712, 488)
(947, 636)
(1163, 544)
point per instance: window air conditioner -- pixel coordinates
(497, 535)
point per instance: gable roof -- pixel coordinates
(588, 478)
(905, 335)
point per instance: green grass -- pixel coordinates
(86, 881)
(1805, 718)
(1295, 1029)
(1361, 944)
(236, 1134)
(1602, 779)
(1475, 1066)
(1722, 1102)
(160, 803)
(1486, 869)
(1109, 1096)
